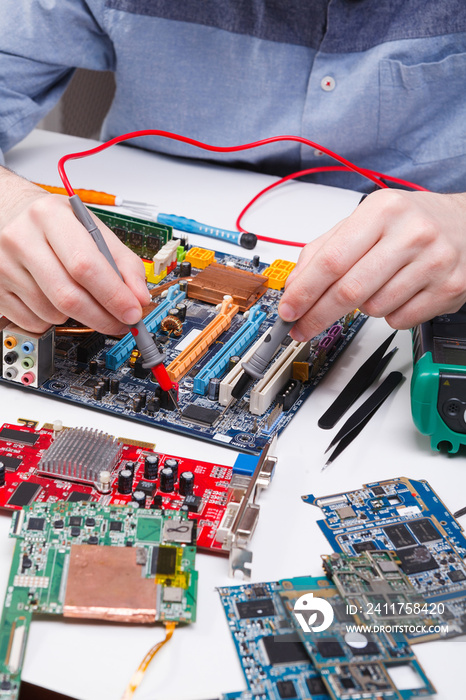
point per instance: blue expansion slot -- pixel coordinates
(122, 350)
(241, 340)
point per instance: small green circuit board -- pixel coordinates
(89, 561)
(145, 238)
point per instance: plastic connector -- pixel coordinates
(200, 257)
(278, 273)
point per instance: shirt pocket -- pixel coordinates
(423, 108)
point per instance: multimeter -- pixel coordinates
(438, 385)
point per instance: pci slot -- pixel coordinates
(235, 346)
(122, 350)
(200, 345)
(277, 376)
(228, 382)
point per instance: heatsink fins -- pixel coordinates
(81, 454)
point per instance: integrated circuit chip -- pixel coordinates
(11, 463)
(200, 414)
(286, 689)
(21, 437)
(329, 648)
(424, 530)
(399, 535)
(367, 546)
(24, 494)
(261, 607)
(415, 560)
(285, 649)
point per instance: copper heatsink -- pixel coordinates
(105, 583)
(215, 281)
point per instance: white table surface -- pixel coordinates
(95, 661)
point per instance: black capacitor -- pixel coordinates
(157, 502)
(139, 497)
(213, 389)
(93, 367)
(182, 308)
(233, 361)
(172, 464)
(114, 386)
(131, 466)
(151, 467)
(106, 383)
(167, 480)
(185, 269)
(125, 481)
(183, 285)
(143, 397)
(174, 312)
(255, 261)
(98, 391)
(186, 484)
(137, 404)
(2, 474)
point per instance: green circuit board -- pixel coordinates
(84, 560)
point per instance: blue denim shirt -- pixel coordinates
(382, 82)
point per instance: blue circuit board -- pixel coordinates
(407, 517)
(280, 660)
(83, 362)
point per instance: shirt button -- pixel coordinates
(327, 83)
(318, 153)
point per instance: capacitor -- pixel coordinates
(131, 466)
(183, 285)
(125, 481)
(93, 367)
(182, 308)
(2, 474)
(98, 391)
(106, 384)
(174, 312)
(255, 261)
(186, 484)
(143, 397)
(185, 269)
(172, 464)
(151, 467)
(139, 497)
(114, 386)
(233, 361)
(167, 480)
(157, 502)
(213, 389)
(137, 404)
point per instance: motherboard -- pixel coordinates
(407, 517)
(209, 311)
(88, 561)
(56, 463)
(281, 659)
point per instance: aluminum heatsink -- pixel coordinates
(81, 454)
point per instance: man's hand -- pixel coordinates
(401, 255)
(51, 269)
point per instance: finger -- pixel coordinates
(21, 315)
(420, 308)
(83, 262)
(19, 282)
(309, 251)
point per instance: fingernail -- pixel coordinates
(132, 316)
(144, 292)
(286, 312)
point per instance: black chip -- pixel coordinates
(341, 612)
(148, 487)
(153, 243)
(286, 689)
(199, 414)
(24, 494)
(36, 523)
(316, 686)
(120, 233)
(414, 560)
(259, 591)
(424, 530)
(136, 238)
(163, 561)
(367, 546)
(115, 526)
(157, 502)
(20, 436)
(378, 490)
(347, 683)
(27, 563)
(76, 520)
(90, 522)
(76, 496)
(285, 649)
(261, 607)
(11, 463)
(371, 648)
(399, 535)
(330, 647)
(75, 531)
(93, 540)
(193, 503)
(58, 524)
(456, 575)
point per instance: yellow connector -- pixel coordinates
(278, 272)
(149, 267)
(200, 257)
